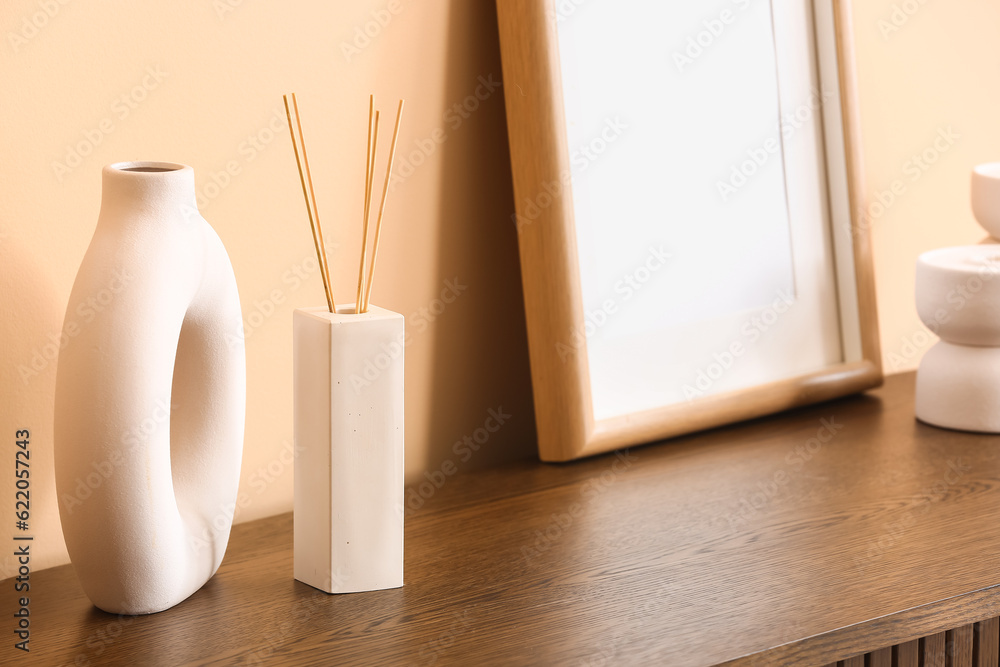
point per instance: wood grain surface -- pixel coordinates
(807, 538)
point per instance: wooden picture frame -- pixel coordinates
(566, 422)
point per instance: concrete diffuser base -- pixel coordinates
(348, 416)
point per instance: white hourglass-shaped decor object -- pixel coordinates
(958, 298)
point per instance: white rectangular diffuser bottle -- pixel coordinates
(348, 448)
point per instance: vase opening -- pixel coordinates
(147, 167)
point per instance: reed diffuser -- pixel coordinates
(348, 408)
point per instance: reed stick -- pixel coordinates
(325, 262)
(381, 207)
(370, 170)
(368, 184)
(310, 208)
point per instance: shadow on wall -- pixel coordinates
(31, 327)
(487, 347)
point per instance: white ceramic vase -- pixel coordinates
(150, 396)
(348, 448)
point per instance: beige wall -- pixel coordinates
(935, 74)
(223, 66)
(219, 102)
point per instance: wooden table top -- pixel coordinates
(810, 536)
